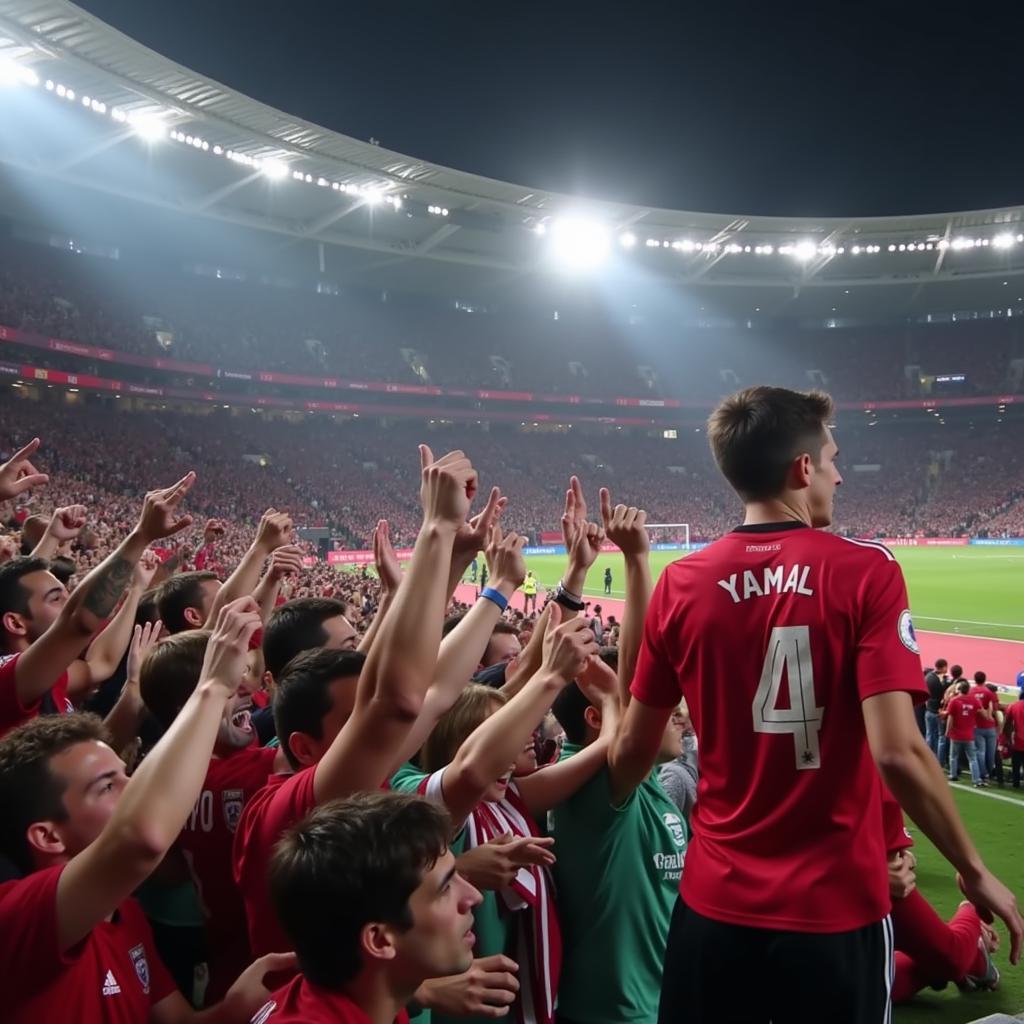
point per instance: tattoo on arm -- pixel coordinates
(106, 589)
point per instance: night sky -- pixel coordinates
(787, 108)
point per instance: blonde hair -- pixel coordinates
(475, 704)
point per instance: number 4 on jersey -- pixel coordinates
(789, 652)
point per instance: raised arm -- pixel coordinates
(583, 541)
(285, 561)
(18, 475)
(627, 529)
(160, 795)
(65, 525)
(123, 720)
(389, 572)
(400, 664)
(275, 531)
(492, 748)
(473, 537)
(95, 598)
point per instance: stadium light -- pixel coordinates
(1004, 241)
(275, 170)
(148, 127)
(804, 251)
(628, 240)
(578, 243)
(12, 73)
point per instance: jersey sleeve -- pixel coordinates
(12, 712)
(655, 681)
(887, 656)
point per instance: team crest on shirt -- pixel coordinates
(233, 800)
(138, 955)
(675, 825)
(905, 629)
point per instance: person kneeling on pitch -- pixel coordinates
(366, 890)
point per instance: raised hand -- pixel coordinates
(504, 556)
(582, 539)
(144, 639)
(18, 474)
(276, 529)
(8, 548)
(159, 517)
(474, 535)
(494, 865)
(384, 558)
(145, 570)
(625, 526)
(224, 663)
(567, 645)
(67, 523)
(598, 682)
(447, 489)
(213, 531)
(286, 561)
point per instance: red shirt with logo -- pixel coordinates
(988, 702)
(113, 976)
(962, 712)
(12, 712)
(302, 1002)
(775, 635)
(893, 826)
(206, 841)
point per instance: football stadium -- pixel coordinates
(457, 474)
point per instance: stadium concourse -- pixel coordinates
(273, 400)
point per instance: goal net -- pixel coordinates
(670, 533)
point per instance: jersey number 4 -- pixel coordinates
(789, 653)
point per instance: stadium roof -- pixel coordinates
(401, 221)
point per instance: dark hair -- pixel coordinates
(957, 671)
(451, 622)
(13, 596)
(63, 568)
(963, 686)
(349, 863)
(170, 672)
(297, 626)
(610, 656)
(570, 708)
(979, 678)
(501, 628)
(178, 593)
(941, 663)
(301, 697)
(29, 790)
(756, 434)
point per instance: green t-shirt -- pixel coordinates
(617, 879)
(491, 919)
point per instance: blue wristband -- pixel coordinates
(496, 596)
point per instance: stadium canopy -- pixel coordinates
(154, 132)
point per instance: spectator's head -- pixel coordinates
(301, 625)
(59, 783)
(31, 598)
(63, 568)
(503, 646)
(773, 443)
(941, 665)
(32, 531)
(963, 687)
(313, 699)
(185, 600)
(367, 887)
(980, 678)
(957, 671)
(169, 674)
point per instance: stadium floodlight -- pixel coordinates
(627, 240)
(1004, 241)
(805, 251)
(578, 243)
(148, 127)
(275, 170)
(373, 197)
(13, 73)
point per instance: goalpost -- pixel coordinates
(670, 533)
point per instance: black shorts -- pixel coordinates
(730, 974)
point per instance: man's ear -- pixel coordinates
(377, 941)
(43, 837)
(799, 475)
(14, 624)
(194, 617)
(592, 716)
(303, 748)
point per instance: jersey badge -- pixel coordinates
(141, 964)
(906, 630)
(233, 799)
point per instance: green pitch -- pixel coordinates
(973, 591)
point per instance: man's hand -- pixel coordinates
(213, 531)
(447, 489)
(902, 876)
(144, 639)
(145, 570)
(992, 899)
(567, 645)
(285, 561)
(494, 865)
(8, 548)
(505, 561)
(275, 531)
(582, 539)
(18, 475)
(159, 516)
(598, 682)
(249, 994)
(474, 535)
(487, 989)
(224, 663)
(385, 560)
(625, 526)
(67, 523)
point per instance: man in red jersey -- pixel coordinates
(1013, 730)
(368, 894)
(238, 770)
(962, 714)
(786, 870)
(986, 730)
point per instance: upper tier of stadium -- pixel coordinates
(86, 109)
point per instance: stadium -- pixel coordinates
(192, 280)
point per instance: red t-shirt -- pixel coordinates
(206, 843)
(774, 637)
(114, 976)
(987, 701)
(282, 803)
(893, 827)
(301, 1002)
(1015, 714)
(962, 711)
(12, 712)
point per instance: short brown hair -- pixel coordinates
(170, 672)
(756, 434)
(456, 724)
(29, 791)
(179, 593)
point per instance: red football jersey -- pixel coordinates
(12, 712)
(206, 843)
(774, 635)
(988, 702)
(893, 826)
(1015, 714)
(282, 803)
(114, 976)
(962, 711)
(301, 1002)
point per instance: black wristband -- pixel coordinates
(568, 602)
